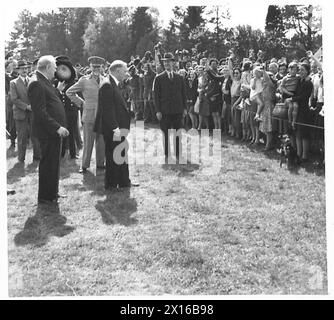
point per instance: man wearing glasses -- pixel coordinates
(89, 86)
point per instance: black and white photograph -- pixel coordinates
(165, 150)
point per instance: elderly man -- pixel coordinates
(22, 113)
(89, 87)
(113, 121)
(49, 126)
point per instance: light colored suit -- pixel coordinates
(23, 118)
(89, 88)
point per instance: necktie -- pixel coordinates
(26, 82)
(171, 75)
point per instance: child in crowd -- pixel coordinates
(246, 78)
(243, 104)
(256, 103)
(288, 89)
(256, 91)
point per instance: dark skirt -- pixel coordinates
(215, 106)
(304, 118)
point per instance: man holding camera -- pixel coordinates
(170, 102)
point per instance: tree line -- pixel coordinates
(120, 32)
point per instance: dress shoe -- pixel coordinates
(82, 170)
(100, 167)
(61, 196)
(36, 159)
(10, 191)
(75, 157)
(131, 184)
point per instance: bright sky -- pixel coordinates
(250, 14)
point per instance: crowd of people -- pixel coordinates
(177, 90)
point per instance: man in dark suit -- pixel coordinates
(113, 121)
(49, 126)
(22, 113)
(170, 102)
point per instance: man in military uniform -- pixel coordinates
(89, 86)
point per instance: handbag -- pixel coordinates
(281, 111)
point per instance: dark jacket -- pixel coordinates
(214, 91)
(47, 108)
(302, 95)
(169, 95)
(71, 109)
(112, 109)
(191, 92)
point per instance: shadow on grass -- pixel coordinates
(117, 208)
(46, 222)
(67, 167)
(93, 182)
(11, 153)
(16, 173)
(181, 169)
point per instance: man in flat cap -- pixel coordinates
(170, 102)
(22, 112)
(89, 86)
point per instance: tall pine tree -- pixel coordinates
(275, 32)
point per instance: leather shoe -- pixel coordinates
(36, 158)
(132, 184)
(10, 191)
(100, 167)
(61, 196)
(82, 170)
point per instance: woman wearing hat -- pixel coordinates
(65, 76)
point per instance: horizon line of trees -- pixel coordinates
(120, 32)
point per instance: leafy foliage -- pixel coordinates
(120, 32)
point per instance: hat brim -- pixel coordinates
(23, 66)
(69, 65)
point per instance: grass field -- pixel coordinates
(253, 228)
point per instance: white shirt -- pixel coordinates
(116, 81)
(24, 79)
(170, 74)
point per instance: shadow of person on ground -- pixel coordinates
(16, 173)
(182, 169)
(118, 207)
(11, 153)
(68, 167)
(32, 167)
(92, 182)
(46, 222)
